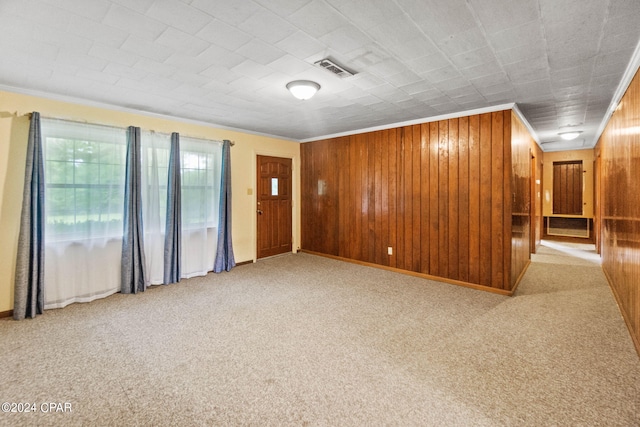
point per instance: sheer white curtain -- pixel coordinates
(201, 167)
(84, 193)
(155, 161)
(85, 169)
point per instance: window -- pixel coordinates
(84, 176)
(200, 177)
(201, 167)
(155, 150)
(85, 168)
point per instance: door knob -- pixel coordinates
(259, 211)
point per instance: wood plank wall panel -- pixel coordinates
(497, 198)
(443, 199)
(619, 210)
(377, 224)
(485, 199)
(508, 189)
(521, 145)
(393, 196)
(438, 193)
(425, 248)
(432, 183)
(416, 196)
(474, 199)
(453, 203)
(356, 179)
(463, 199)
(344, 198)
(384, 197)
(407, 200)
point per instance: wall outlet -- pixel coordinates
(389, 250)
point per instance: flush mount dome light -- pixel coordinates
(568, 136)
(303, 89)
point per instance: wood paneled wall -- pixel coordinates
(439, 194)
(525, 151)
(618, 155)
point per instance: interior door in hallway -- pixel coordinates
(274, 205)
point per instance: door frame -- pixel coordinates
(597, 200)
(295, 194)
(533, 216)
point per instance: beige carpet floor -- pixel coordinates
(303, 340)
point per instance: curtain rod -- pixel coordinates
(28, 115)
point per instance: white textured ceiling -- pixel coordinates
(226, 62)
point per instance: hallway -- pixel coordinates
(577, 331)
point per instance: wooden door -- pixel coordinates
(567, 187)
(274, 205)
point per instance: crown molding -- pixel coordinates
(416, 121)
(113, 107)
(627, 77)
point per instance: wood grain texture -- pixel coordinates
(377, 208)
(393, 196)
(370, 244)
(274, 205)
(443, 198)
(439, 194)
(434, 219)
(507, 191)
(497, 199)
(384, 194)
(416, 197)
(407, 193)
(474, 199)
(356, 206)
(463, 199)
(400, 200)
(453, 203)
(485, 200)
(567, 187)
(618, 151)
(343, 200)
(425, 248)
(522, 145)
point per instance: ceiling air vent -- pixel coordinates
(336, 69)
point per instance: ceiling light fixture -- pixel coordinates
(568, 136)
(303, 89)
